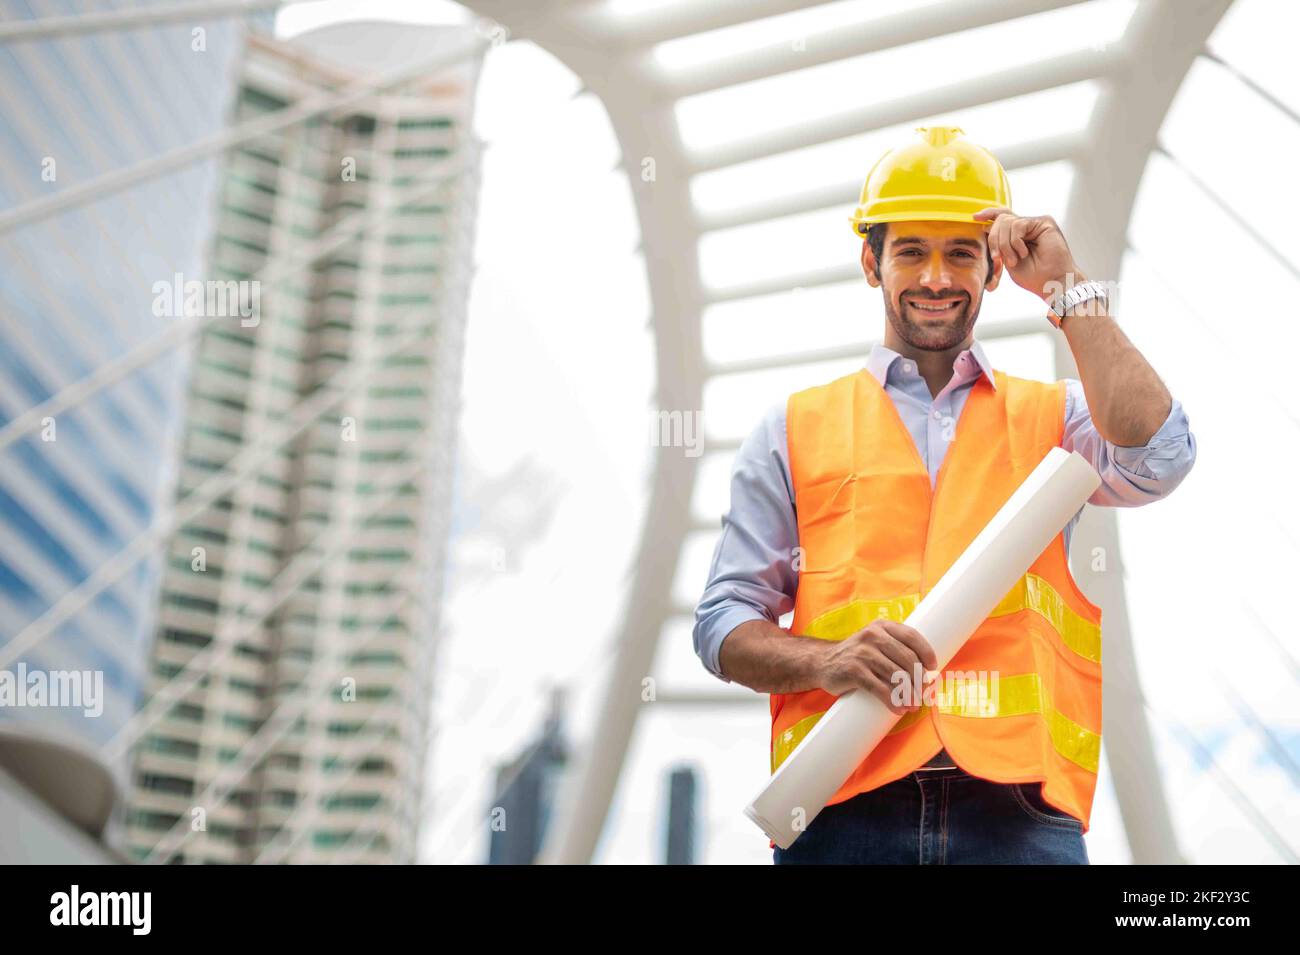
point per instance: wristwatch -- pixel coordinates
(1076, 295)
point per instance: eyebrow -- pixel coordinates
(971, 243)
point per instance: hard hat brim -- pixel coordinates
(862, 224)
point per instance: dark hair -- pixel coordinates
(876, 239)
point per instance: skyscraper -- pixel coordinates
(75, 294)
(301, 606)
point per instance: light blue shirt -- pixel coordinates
(752, 575)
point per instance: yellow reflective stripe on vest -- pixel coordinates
(791, 737)
(1031, 592)
(1007, 696)
(1019, 696)
(843, 622)
(1034, 593)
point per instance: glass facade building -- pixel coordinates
(76, 293)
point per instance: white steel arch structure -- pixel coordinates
(1139, 77)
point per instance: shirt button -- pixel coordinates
(907, 367)
(937, 415)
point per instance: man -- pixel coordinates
(851, 499)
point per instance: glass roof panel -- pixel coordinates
(639, 8)
(1025, 356)
(785, 246)
(794, 321)
(996, 125)
(693, 566)
(734, 403)
(1215, 130)
(789, 99)
(1222, 277)
(1255, 41)
(677, 668)
(711, 494)
(783, 30)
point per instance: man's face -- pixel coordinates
(934, 275)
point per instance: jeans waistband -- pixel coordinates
(938, 772)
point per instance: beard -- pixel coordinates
(931, 335)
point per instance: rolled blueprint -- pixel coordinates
(947, 616)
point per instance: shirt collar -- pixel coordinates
(882, 358)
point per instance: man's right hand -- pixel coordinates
(872, 659)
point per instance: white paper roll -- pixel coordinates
(947, 616)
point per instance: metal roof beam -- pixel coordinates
(76, 24)
(837, 43)
(680, 19)
(1005, 84)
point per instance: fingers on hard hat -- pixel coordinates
(1008, 237)
(1021, 247)
(1013, 245)
(997, 239)
(991, 212)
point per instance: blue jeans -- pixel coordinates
(941, 817)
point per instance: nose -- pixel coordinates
(935, 275)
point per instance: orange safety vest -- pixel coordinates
(1021, 701)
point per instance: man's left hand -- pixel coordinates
(1033, 249)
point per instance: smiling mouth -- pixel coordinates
(935, 309)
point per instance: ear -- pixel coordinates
(869, 264)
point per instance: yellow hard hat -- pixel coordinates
(943, 177)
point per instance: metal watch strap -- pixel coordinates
(1075, 295)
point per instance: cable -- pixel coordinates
(1230, 212)
(1204, 322)
(339, 386)
(287, 711)
(1248, 808)
(298, 832)
(1275, 746)
(91, 22)
(111, 372)
(107, 183)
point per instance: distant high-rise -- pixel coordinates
(76, 289)
(307, 595)
(681, 822)
(522, 806)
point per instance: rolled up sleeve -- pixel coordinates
(752, 574)
(1130, 476)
